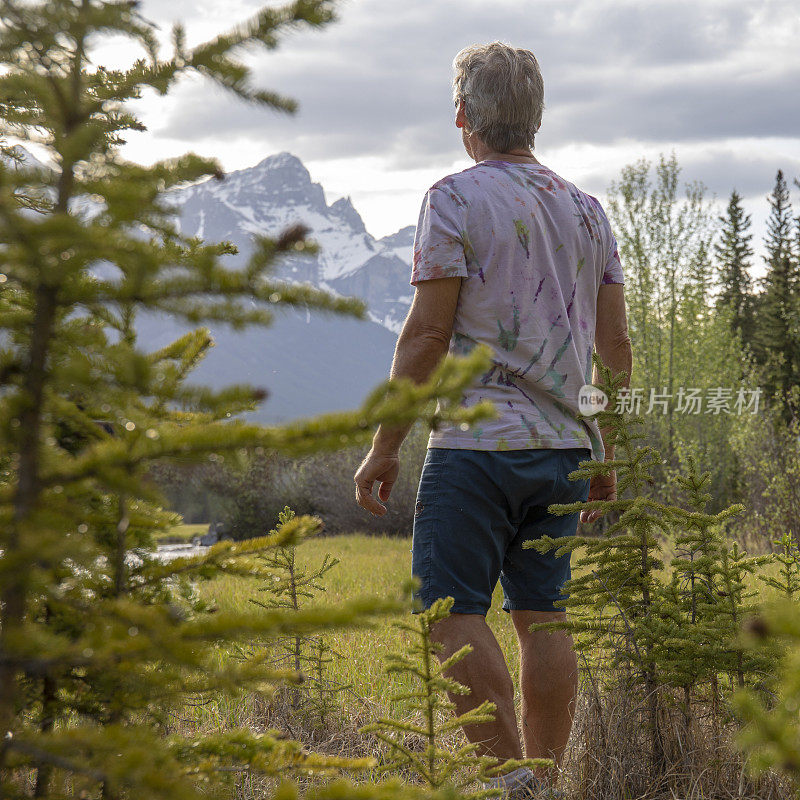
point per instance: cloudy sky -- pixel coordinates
(714, 80)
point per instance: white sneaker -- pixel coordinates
(533, 789)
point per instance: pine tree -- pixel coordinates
(644, 629)
(787, 556)
(101, 646)
(430, 718)
(690, 656)
(778, 330)
(797, 232)
(733, 252)
(698, 650)
(613, 600)
(710, 355)
(739, 603)
(289, 586)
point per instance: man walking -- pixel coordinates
(508, 254)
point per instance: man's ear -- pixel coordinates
(461, 119)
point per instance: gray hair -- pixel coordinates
(503, 94)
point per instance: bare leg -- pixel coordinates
(485, 672)
(549, 685)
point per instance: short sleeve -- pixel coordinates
(612, 272)
(438, 241)
(612, 266)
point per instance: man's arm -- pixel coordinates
(613, 345)
(423, 342)
(611, 338)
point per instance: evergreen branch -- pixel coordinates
(394, 402)
(40, 755)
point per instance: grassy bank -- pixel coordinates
(182, 533)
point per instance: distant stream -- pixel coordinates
(166, 552)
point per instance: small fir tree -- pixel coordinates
(787, 558)
(289, 586)
(690, 656)
(613, 600)
(430, 717)
(734, 569)
(658, 631)
(703, 655)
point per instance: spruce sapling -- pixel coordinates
(787, 555)
(430, 719)
(289, 585)
(614, 599)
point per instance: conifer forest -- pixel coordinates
(282, 661)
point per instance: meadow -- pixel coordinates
(368, 566)
(377, 566)
(374, 566)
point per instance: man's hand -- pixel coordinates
(380, 467)
(601, 487)
(423, 342)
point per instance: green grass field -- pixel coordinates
(372, 566)
(182, 533)
(375, 566)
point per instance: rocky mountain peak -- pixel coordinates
(402, 238)
(279, 178)
(345, 210)
(277, 192)
(265, 199)
(286, 163)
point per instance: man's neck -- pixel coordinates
(514, 156)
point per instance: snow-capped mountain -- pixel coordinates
(309, 362)
(278, 191)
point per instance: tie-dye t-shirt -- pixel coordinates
(532, 250)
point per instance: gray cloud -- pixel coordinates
(376, 82)
(718, 108)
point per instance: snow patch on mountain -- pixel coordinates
(400, 244)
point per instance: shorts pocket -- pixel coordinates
(429, 478)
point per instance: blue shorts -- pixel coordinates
(474, 510)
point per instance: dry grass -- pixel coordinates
(609, 757)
